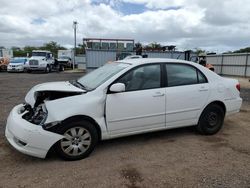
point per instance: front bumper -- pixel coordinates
(36, 68)
(15, 69)
(28, 138)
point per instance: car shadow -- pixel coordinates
(170, 135)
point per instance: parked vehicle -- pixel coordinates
(65, 62)
(41, 60)
(65, 58)
(17, 64)
(122, 98)
(4, 61)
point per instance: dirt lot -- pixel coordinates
(173, 158)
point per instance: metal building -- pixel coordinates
(6, 53)
(235, 64)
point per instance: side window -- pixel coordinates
(144, 77)
(201, 77)
(178, 75)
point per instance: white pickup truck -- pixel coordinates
(41, 60)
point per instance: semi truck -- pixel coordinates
(40, 60)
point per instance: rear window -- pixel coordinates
(178, 75)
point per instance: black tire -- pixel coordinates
(65, 129)
(61, 68)
(47, 69)
(211, 120)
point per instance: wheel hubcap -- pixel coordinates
(212, 119)
(76, 141)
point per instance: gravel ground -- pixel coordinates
(173, 158)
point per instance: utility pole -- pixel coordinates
(74, 27)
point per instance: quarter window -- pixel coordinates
(201, 77)
(178, 75)
(143, 77)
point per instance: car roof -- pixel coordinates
(141, 61)
(153, 60)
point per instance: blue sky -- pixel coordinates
(38, 21)
(128, 8)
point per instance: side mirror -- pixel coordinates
(117, 88)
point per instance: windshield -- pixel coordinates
(39, 54)
(97, 77)
(64, 57)
(18, 60)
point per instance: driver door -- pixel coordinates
(142, 106)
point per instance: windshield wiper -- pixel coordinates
(78, 84)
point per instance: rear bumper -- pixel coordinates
(233, 105)
(28, 138)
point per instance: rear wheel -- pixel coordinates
(211, 120)
(79, 140)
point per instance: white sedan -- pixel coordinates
(17, 64)
(122, 98)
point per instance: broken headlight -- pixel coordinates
(36, 115)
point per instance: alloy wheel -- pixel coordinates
(76, 141)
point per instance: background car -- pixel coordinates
(17, 64)
(65, 62)
(4, 61)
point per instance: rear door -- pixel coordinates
(186, 94)
(142, 106)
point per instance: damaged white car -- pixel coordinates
(122, 98)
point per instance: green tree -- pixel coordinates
(243, 50)
(199, 51)
(53, 47)
(80, 49)
(153, 46)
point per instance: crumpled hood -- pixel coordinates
(16, 64)
(65, 86)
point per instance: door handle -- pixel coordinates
(158, 94)
(203, 89)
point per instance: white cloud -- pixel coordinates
(214, 25)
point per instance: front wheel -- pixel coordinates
(79, 140)
(211, 120)
(47, 69)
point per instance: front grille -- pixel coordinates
(33, 62)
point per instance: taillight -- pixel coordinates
(238, 87)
